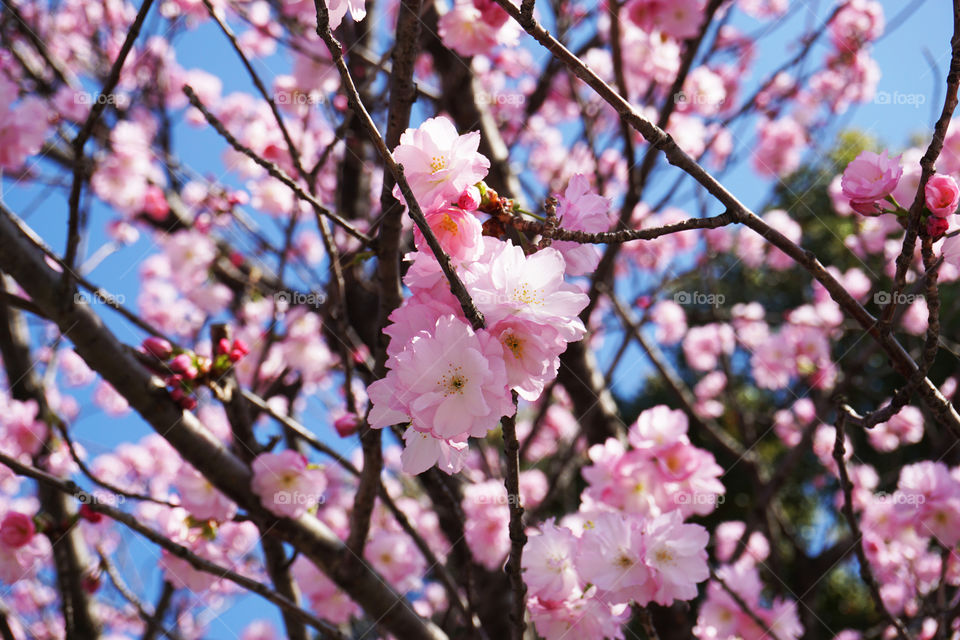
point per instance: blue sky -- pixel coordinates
(902, 57)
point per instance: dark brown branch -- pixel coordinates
(866, 572)
(73, 224)
(757, 620)
(70, 553)
(624, 235)
(927, 169)
(241, 424)
(103, 353)
(163, 603)
(197, 562)
(518, 537)
(683, 393)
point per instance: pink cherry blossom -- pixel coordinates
(16, 529)
(458, 231)
(200, 498)
(474, 27)
(581, 209)
(449, 381)
(612, 556)
(942, 195)
(549, 564)
(676, 556)
(870, 178)
(439, 163)
(529, 288)
(339, 8)
(287, 486)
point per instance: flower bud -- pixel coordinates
(470, 199)
(346, 424)
(155, 203)
(183, 364)
(942, 195)
(157, 347)
(936, 227)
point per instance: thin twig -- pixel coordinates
(99, 105)
(457, 287)
(142, 610)
(518, 537)
(270, 167)
(927, 169)
(866, 572)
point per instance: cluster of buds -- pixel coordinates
(234, 351)
(185, 370)
(941, 195)
(871, 180)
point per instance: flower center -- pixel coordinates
(624, 561)
(526, 295)
(664, 556)
(453, 382)
(515, 345)
(438, 163)
(447, 224)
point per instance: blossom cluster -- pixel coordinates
(628, 543)
(872, 183)
(448, 380)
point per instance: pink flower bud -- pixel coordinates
(155, 203)
(239, 350)
(16, 529)
(469, 199)
(188, 403)
(942, 194)
(89, 514)
(239, 197)
(183, 364)
(936, 227)
(157, 347)
(223, 346)
(177, 394)
(346, 424)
